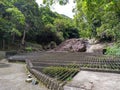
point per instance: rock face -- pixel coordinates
(95, 48)
(82, 45)
(74, 45)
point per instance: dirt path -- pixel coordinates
(13, 75)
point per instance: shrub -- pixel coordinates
(28, 49)
(34, 46)
(52, 45)
(114, 50)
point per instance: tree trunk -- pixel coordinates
(3, 44)
(13, 38)
(23, 38)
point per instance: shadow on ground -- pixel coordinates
(4, 65)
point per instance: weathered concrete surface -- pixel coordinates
(13, 76)
(2, 54)
(86, 80)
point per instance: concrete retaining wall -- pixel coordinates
(49, 82)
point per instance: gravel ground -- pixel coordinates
(13, 76)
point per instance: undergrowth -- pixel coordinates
(114, 50)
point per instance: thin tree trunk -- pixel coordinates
(23, 38)
(3, 44)
(13, 38)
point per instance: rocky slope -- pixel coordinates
(75, 45)
(82, 45)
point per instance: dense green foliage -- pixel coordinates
(114, 50)
(24, 20)
(10, 19)
(99, 18)
(96, 18)
(57, 27)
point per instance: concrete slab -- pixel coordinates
(13, 76)
(88, 80)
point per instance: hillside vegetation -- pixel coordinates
(24, 21)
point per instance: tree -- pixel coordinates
(50, 2)
(10, 17)
(95, 17)
(98, 17)
(18, 19)
(66, 27)
(33, 21)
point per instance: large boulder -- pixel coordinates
(74, 45)
(95, 48)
